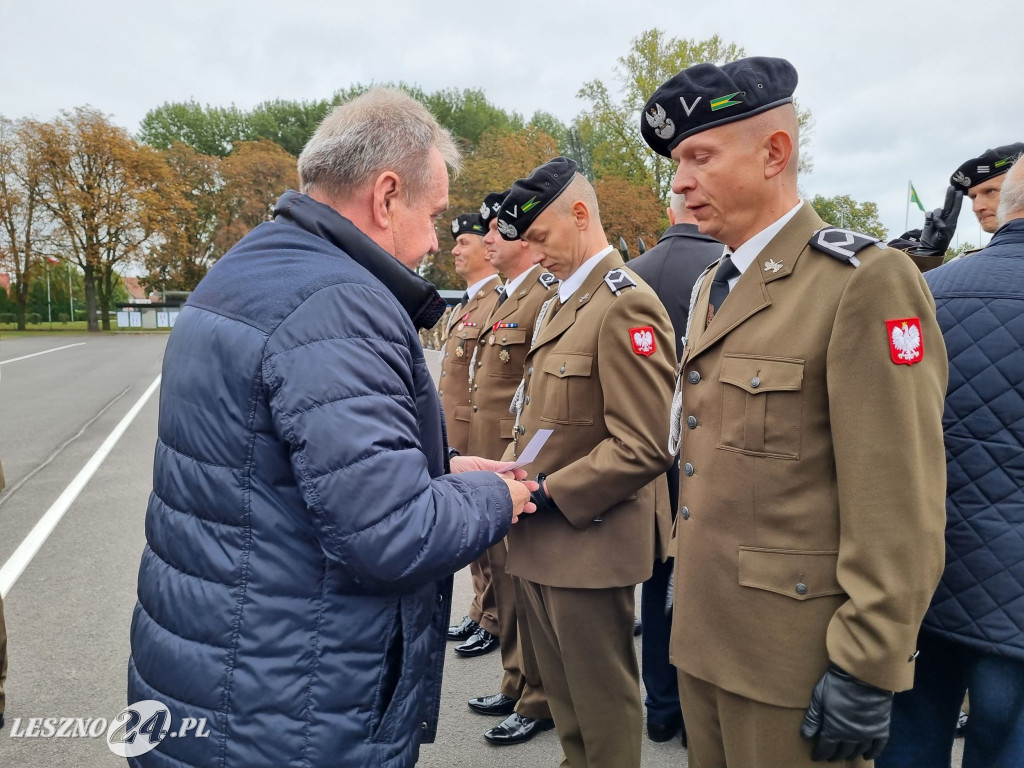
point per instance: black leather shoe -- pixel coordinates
(515, 729)
(498, 704)
(638, 627)
(663, 730)
(464, 630)
(479, 643)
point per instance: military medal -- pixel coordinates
(460, 351)
(504, 356)
(490, 339)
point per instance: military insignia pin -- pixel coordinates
(504, 356)
(772, 266)
(460, 351)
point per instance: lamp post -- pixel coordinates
(49, 311)
(71, 296)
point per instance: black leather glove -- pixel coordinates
(940, 224)
(540, 497)
(847, 717)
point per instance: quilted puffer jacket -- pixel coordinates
(302, 531)
(980, 306)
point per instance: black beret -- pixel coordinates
(489, 207)
(468, 224)
(991, 163)
(530, 196)
(706, 95)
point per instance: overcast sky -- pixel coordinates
(899, 90)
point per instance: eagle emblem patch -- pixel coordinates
(642, 340)
(906, 343)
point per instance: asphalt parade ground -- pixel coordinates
(78, 418)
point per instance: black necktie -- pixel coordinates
(502, 296)
(720, 285)
(465, 299)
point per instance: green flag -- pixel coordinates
(914, 198)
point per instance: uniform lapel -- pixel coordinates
(751, 293)
(512, 302)
(566, 316)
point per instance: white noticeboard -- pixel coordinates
(135, 320)
(122, 319)
(161, 320)
(172, 316)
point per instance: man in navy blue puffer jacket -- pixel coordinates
(303, 530)
(973, 634)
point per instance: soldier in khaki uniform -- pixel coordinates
(810, 528)
(599, 374)
(501, 358)
(479, 629)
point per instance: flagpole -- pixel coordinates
(906, 210)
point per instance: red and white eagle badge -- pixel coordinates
(642, 340)
(906, 342)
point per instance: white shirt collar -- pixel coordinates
(475, 287)
(744, 256)
(569, 286)
(512, 285)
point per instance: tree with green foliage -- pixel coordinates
(289, 124)
(609, 129)
(843, 211)
(208, 130)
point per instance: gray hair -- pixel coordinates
(382, 130)
(677, 203)
(1011, 198)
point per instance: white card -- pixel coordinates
(529, 452)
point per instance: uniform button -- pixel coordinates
(562, 369)
(801, 588)
(423, 725)
(474, 409)
(755, 382)
(529, 371)
(522, 430)
(476, 387)
(440, 598)
(685, 512)
(688, 469)
(479, 363)
(440, 392)
(527, 400)
(691, 422)
(504, 338)
(693, 377)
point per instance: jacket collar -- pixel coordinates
(1011, 232)
(418, 297)
(564, 317)
(685, 230)
(750, 294)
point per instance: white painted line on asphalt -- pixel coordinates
(16, 564)
(44, 352)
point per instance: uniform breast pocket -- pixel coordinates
(567, 388)
(761, 405)
(510, 346)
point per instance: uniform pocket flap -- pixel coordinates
(794, 573)
(569, 364)
(762, 374)
(462, 413)
(505, 427)
(510, 336)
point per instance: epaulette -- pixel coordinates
(842, 244)
(618, 279)
(547, 280)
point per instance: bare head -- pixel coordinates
(1011, 200)
(382, 161)
(677, 213)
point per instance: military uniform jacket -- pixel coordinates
(600, 375)
(500, 359)
(460, 340)
(812, 483)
